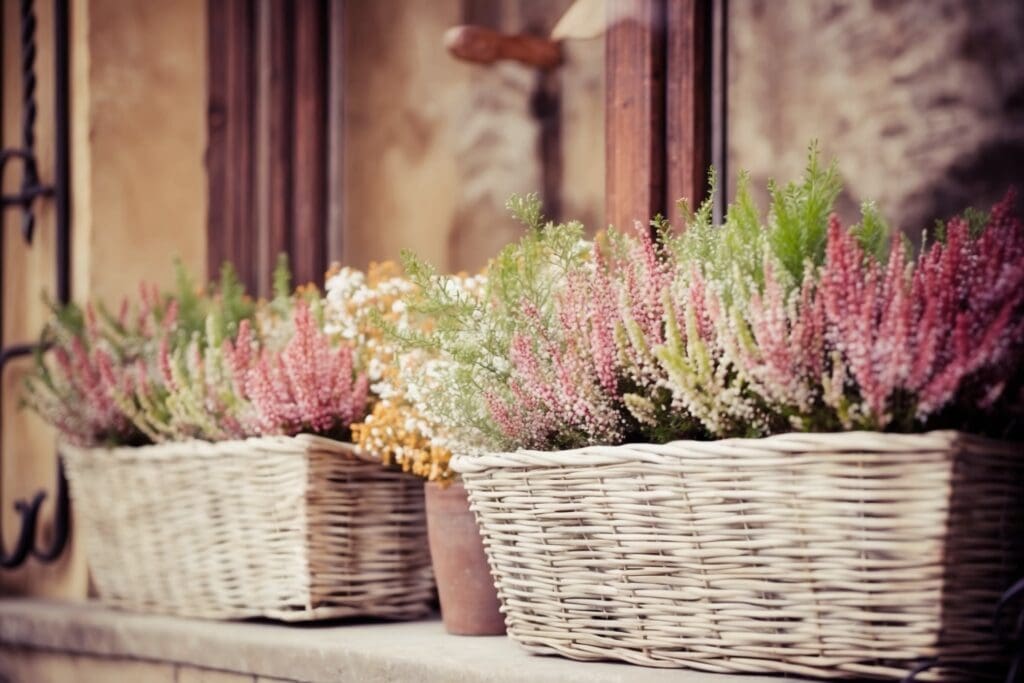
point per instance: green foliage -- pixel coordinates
(701, 243)
(189, 295)
(473, 325)
(527, 209)
(475, 349)
(790, 237)
(798, 224)
(872, 232)
(976, 220)
(277, 313)
(222, 304)
(282, 278)
(235, 304)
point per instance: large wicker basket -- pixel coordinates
(289, 528)
(831, 555)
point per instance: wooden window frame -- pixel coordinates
(275, 122)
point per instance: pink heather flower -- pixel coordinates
(116, 380)
(926, 329)
(974, 291)
(170, 317)
(647, 279)
(852, 301)
(261, 392)
(603, 349)
(238, 355)
(642, 284)
(149, 301)
(89, 387)
(785, 362)
(96, 379)
(862, 343)
(164, 363)
(91, 325)
(562, 388)
(307, 386)
(502, 415)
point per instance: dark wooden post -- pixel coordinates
(268, 133)
(309, 189)
(635, 111)
(658, 107)
(687, 102)
(231, 127)
(274, 135)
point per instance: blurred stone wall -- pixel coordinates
(921, 100)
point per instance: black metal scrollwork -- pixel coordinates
(32, 189)
(1007, 629)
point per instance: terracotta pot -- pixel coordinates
(469, 601)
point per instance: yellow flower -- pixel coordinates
(385, 434)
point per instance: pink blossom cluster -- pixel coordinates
(247, 388)
(79, 383)
(307, 386)
(562, 391)
(922, 332)
(891, 345)
(648, 344)
(627, 339)
(640, 284)
(91, 416)
(136, 377)
(587, 373)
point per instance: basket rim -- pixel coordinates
(868, 443)
(299, 444)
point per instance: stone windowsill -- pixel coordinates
(364, 652)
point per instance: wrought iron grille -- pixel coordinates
(33, 189)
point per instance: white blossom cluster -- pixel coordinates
(434, 383)
(369, 311)
(355, 309)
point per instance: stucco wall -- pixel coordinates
(139, 141)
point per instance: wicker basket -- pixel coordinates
(832, 555)
(289, 528)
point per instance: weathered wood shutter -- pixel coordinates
(658, 107)
(267, 154)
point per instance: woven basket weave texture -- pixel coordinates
(291, 528)
(830, 555)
